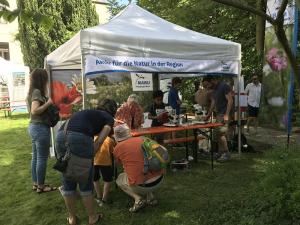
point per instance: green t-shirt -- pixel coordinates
(35, 96)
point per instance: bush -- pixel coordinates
(276, 199)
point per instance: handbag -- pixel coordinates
(51, 115)
(73, 167)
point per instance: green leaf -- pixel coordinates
(4, 3)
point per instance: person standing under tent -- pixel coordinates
(173, 98)
(203, 95)
(253, 91)
(222, 102)
(131, 112)
(37, 104)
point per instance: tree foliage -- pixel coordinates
(68, 16)
(213, 19)
(115, 7)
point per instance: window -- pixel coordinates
(4, 50)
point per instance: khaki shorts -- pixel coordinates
(220, 131)
(122, 182)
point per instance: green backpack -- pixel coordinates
(156, 156)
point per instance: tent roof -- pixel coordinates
(135, 32)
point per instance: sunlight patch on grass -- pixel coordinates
(7, 160)
(172, 214)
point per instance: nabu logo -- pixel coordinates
(141, 81)
(225, 66)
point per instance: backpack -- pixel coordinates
(51, 115)
(156, 156)
(245, 146)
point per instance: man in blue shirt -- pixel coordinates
(173, 98)
(222, 102)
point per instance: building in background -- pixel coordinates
(10, 49)
(102, 10)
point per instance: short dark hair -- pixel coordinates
(109, 106)
(158, 93)
(176, 80)
(208, 78)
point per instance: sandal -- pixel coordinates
(74, 223)
(137, 206)
(100, 217)
(45, 188)
(34, 187)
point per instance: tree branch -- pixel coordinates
(280, 13)
(245, 7)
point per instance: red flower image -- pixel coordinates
(64, 98)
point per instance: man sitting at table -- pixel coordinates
(133, 181)
(158, 114)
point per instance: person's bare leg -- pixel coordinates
(70, 202)
(223, 144)
(128, 191)
(255, 124)
(97, 189)
(88, 202)
(106, 188)
(248, 124)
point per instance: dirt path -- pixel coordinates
(267, 138)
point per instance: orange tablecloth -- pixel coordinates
(164, 129)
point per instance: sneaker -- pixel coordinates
(137, 206)
(224, 157)
(100, 202)
(217, 155)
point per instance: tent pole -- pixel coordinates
(239, 110)
(83, 83)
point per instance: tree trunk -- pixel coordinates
(260, 28)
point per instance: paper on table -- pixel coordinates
(147, 123)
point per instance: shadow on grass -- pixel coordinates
(196, 196)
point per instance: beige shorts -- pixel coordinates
(220, 131)
(122, 182)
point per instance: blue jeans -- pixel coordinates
(80, 145)
(40, 136)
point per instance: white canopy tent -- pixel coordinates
(137, 41)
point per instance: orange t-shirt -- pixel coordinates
(130, 155)
(103, 155)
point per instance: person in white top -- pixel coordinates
(253, 91)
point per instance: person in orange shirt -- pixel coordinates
(103, 167)
(133, 181)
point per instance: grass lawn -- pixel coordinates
(197, 196)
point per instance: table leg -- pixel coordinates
(186, 147)
(195, 149)
(211, 148)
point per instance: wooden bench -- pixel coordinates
(5, 105)
(182, 139)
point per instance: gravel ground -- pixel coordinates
(267, 138)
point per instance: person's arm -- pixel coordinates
(37, 108)
(229, 106)
(138, 116)
(247, 89)
(101, 137)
